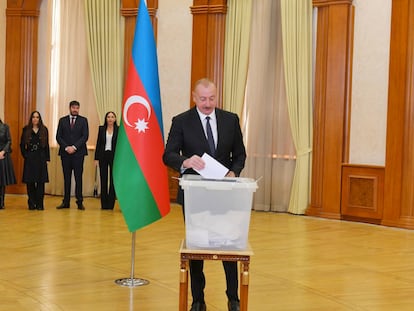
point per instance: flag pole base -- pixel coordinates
(131, 282)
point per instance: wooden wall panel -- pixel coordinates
(362, 192)
(408, 172)
(22, 18)
(331, 104)
(209, 23)
(129, 10)
(399, 177)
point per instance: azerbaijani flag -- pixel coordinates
(140, 176)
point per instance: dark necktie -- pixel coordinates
(72, 122)
(210, 137)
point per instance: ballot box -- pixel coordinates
(217, 212)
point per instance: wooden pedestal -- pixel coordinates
(197, 254)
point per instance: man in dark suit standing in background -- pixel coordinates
(72, 135)
(206, 129)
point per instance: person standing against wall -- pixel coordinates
(34, 146)
(72, 135)
(7, 176)
(104, 158)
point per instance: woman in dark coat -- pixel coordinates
(104, 157)
(34, 146)
(7, 176)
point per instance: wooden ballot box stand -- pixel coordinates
(186, 255)
(217, 218)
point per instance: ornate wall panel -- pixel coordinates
(22, 18)
(362, 192)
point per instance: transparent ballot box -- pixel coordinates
(217, 212)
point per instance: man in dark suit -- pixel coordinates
(72, 135)
(189, 138)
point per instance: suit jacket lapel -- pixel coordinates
(114, 136)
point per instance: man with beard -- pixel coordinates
(72, 135)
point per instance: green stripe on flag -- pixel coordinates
(134, 196)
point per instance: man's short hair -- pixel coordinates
(206, 82)
(74, 103)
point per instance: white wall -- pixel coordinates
(42, 61)
(370, 81)
(174, 39)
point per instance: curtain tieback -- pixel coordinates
(302, 152)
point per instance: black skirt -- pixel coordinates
(7, 176)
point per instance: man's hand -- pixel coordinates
(230, 174)
(194, 162)
(70, 149)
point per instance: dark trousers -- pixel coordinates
(2, 194)
(107, 188)
(36, 193)
(198, 280)
(75, 164)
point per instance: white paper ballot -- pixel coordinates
(213, 169)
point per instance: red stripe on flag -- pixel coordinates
(144, 134)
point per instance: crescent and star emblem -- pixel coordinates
(141, 125)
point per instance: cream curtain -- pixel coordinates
(70, 79)
(297, 52)
(103, 29)
(236, 54)
(270, 149)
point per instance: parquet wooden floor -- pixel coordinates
(55, 260)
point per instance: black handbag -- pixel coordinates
(95, 185)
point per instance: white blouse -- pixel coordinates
(108, 141)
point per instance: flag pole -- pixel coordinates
(132, 281)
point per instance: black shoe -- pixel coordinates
(63, 205)
(233, 305)
(81, 207)
(40, 208)
(198, 306)
(32, 207)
